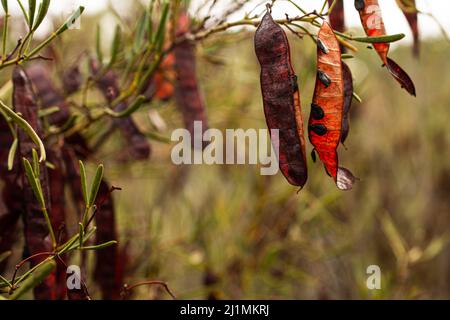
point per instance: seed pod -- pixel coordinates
(11, 196)
(137, 143)
(325, 131)
(108, 259)
(187, 91)
(372, 21)
(58, 205)
(72, 80)
(77, 294)
(165, 78)
(48, 94)
(348, 97)
(337, 18)
(409, 9)
(281, 99)
(37, 237)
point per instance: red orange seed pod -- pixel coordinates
(337, 22)
(372, 21)
(327, 108)
(281, 99)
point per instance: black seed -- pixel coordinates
(323, 77)
(313, 155)
(317, 112)
(318, 129)
(322, 46)
(360, 5)
(295, 83)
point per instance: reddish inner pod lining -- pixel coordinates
(327, 109)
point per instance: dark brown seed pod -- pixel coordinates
(47, 93)
(107, 259)
(72, 80)
(11, 195)
(37, 237)
(137, 144)
(281, 99)
(58, 205)
(337, 18)
(77, 294)
(348, 97)
(187, 90)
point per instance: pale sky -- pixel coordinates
(393, 17)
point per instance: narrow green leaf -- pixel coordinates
(36, 168)
(140, 34)
(47, 111)
(98, 44)
(115, 47)
(380, 39)
(5, 6)
(24, 12)
(72, 19)
(161, 32)
(95, 185)
(130, 110)
(31, 12)
(83, 181)
(34, 279)
(12, 154)
(100, 246)
(26, 127)
(34, 183)
(42, 13)
(81, 232)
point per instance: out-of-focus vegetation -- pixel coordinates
(228, 232)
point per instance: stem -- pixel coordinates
(5, 35)
(50, 227)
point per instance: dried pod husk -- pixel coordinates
(409, 9)
(137, 144)
(337, 18)
(107, 267)
(72, 80)
(47, 93)
(373, 24)
(281, 99)
(77, 294)
(11, 206)
(348, 98)
(187, 90)
(58, 205)
(37, 238)
(325, 132)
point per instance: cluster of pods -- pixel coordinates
(328, 124)
(34, 91)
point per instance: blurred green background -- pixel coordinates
(228, 232)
